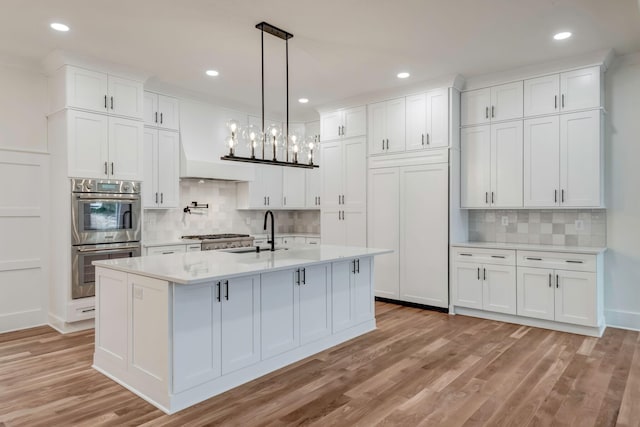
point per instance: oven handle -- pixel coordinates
(107, 198)
(124, 248)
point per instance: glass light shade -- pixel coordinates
(233, 126)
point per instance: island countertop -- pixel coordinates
(198, 267)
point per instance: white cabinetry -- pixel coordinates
(494, 104)
(264, 192)
(491, 159)
(427, 120)
(386, 126)
(345, 123)
(293, 187)
(541, 95)
(352, 298)
(313, 176)
(161, 111)
(161, 169)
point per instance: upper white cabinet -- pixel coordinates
(542, 95)
(161, 111)
(75, 87)
(264, 192)
(161, 169)
(345, 123)
(541, 161)
(497, 103)
(387, 126)
(293, 187)
(427, 120)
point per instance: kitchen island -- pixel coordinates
(178, 329)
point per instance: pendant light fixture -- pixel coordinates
(271, 134)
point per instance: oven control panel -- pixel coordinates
(79, 185)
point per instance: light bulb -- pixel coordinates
(311, 146)
(233, 125)
(274, 132)
(295, 148)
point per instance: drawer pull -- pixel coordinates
(573, 261)
(498, 256)
(533, 259)
(466, 254)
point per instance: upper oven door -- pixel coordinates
(105, 218)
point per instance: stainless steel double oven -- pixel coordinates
(105, 224)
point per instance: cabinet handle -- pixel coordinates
(466, 254)
(493, 111)
(423, 139)
(319, 200)
(111, 168)
(387, 144)
(550, 285)
(492, 198)
(156, 117)
(557, 281)
(428, 139)
(105, 169)
(478, 273)
(218, 291)
(358, 265)
(486, 197)
(226, 293)
(555, 103)
(486, 113)
(168, 252)
(161, 198)
(562, 198)
(264, 202)
(343, 199)
(298, 277)
(343, 130)
(498, 256)
(563, 100)
(354, 266)
(383, 144)
(112, 102)
(105, 102)
(573, 261)
(304, 276)
(156, 197)
(284, 200)
(555, 196)
(160, 118)
(268, 200)
(485, 274)
(533, 259)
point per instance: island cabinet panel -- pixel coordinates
(280, 312)
(315, 303)
(111, 318)
(341, 295)
(351, 282)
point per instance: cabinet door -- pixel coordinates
(330, 126)
(416, 122)
(169, 112)
(474, 107)
(341, 295)
(542, 95)
(580, 162)
(125, 149)
(467, 281)
(535, 293)
(280, 312)
(313, 181)
(86, 89)
(362, 291)
(541, 162)
(355, 227)
(383, 229)
(315, 304)
(150, 197)
(355, 122)
(580, 89)
(150, 109)
(506, 164)
(272, 185)
(332, 227)
(293, 187)
(377, 128)
(331, 172)
(395, 125)
(506, 102)
(126, 97)
(169, 169)
(88, 144)
(499, 288)
(475, 158)
(576, 298)
(354, 174)
(437, 119)
(424, 263)
(240, 322)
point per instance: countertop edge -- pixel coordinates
(530, 247)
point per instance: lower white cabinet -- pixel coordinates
(352, 298)
(486, 287)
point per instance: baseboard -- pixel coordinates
(66, 328)
(22, 320)
(413, 304)
(622, 319)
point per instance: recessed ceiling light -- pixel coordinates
(212, 73)
(563, 35)
(303, 100)
(403, 75)
(59, 27)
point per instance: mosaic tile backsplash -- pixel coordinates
(221, 217)
(544, 227)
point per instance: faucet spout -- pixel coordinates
(273, 239)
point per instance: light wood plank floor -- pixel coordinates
(418, 368)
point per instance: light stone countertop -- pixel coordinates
(170, 242)
(198, 267)
(531, 247)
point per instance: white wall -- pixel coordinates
(622, 260)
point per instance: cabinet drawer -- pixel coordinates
(165, 250)
(557, 260)
(485, 256)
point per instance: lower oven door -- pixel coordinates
(83, 273)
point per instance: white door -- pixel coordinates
(383, 229)
(293, 187)
(580, 151)
(506, 164)
(424, 242)
(169, 169)
(86, 89)
(576, 298)
(580, 89)
(272, 185)
(330, 124)
(362, 291)
(355, 122)
(341, 295)
(315, 303)
(437, 119)
(499, 288)
(506, 102)
(542, 162)
(377, 128)
(150, 109)
(332, 227)
(355, 227)
(474, 107)
(313, 181)
(280, 295)
(169, 112)
(150, 196)
(535, 292)
(354, 174)
(416, 118)
(467, 282)
(88, 144)
(395, 125)
(332, 174)
(240, 322)
(126, 97)
(542, 95)
(125, 149)
(475, 159)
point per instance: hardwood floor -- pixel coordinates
(419, 368)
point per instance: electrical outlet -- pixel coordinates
(579, 225)
(505, 220)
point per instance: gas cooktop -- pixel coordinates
(214, 236)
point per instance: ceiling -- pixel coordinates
(340, 48)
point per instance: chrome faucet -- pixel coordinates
(273, 237)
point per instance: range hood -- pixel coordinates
(202, 135)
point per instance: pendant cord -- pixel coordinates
(287, 95)
(262, 70)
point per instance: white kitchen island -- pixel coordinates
(178, 329)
